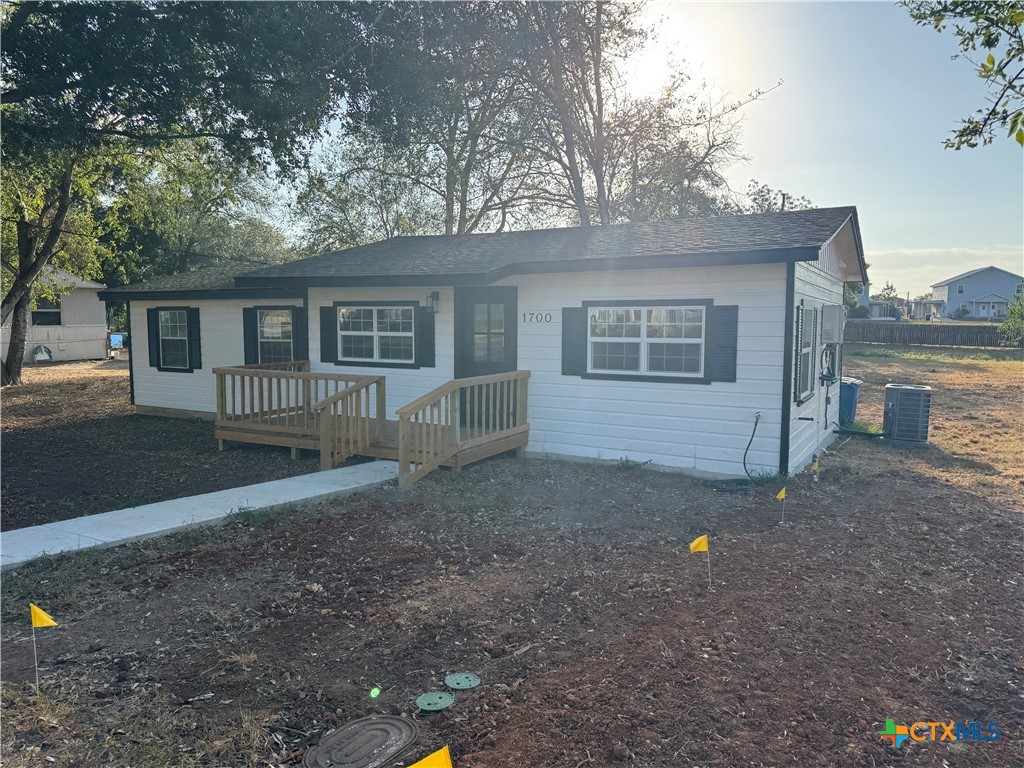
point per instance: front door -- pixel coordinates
(485, 331)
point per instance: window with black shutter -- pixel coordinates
(684, 341)
(377, 335)
(174, 339)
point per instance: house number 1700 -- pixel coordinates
(536, 317)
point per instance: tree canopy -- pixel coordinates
(87, 89)
(989, 37)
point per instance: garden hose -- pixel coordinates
(757, 418)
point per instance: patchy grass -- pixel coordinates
(911, 354)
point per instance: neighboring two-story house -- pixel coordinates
(981, 294)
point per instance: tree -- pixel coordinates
(1011, 330)
(990, 29)
(888, 294)
(763, 199)
(182, 71)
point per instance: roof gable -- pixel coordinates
(973, 272)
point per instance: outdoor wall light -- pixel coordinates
(433, 299)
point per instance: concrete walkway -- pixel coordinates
(124, 525)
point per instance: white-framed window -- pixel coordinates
(965, 307)
(806, 348)
(376, 334)
(274, 335)
(174, 338)
(647, 341)
(959, 289)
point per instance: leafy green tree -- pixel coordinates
(888, 294)
(1011, 329)
(989, 37)
(85, 81)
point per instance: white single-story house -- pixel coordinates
(666, 342)
(73, 326)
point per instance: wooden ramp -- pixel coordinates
(462, 421)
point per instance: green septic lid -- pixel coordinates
(462, 681)
(434, 701)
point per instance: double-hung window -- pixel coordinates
(376, 334)
(274, 335)
(647, 341)
(174, 338)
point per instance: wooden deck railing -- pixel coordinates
(275, 397)
(351, 420)
(458, 415)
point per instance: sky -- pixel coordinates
(866, 100)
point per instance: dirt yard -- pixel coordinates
(73, 445)
(893, 590)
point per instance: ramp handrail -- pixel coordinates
(458, 414)
(351, 420)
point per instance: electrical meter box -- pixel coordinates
(832, 318)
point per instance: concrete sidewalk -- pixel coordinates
(124, 525)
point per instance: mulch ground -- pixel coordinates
(893, 590)
(73, 445)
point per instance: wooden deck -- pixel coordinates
(278, 430)
(340, 415)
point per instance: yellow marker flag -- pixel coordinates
(700, 544)
(781, 496)
(40, 618)
(440, 759)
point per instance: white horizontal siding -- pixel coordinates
(220, 334)
(701, 427)
(816, 288)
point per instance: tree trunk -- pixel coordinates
(599, 141)
(32, 261)
(16, 349)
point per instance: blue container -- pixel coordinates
(849, 394)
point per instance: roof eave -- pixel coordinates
(200, 294)
(660, 261)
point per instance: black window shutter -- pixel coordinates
(249, 336)
(153, 326)
(195, 350)
(724, 331)
(574, 341)
(328, 335)
(798, 355)
(300, 334)
(424, 339)
(814, 348)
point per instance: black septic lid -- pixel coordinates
(369, 742)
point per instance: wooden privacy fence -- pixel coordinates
(351, 421)
(925, 334)
(273, 403)
(465, 417)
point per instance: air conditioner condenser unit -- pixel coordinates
(907, 410)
